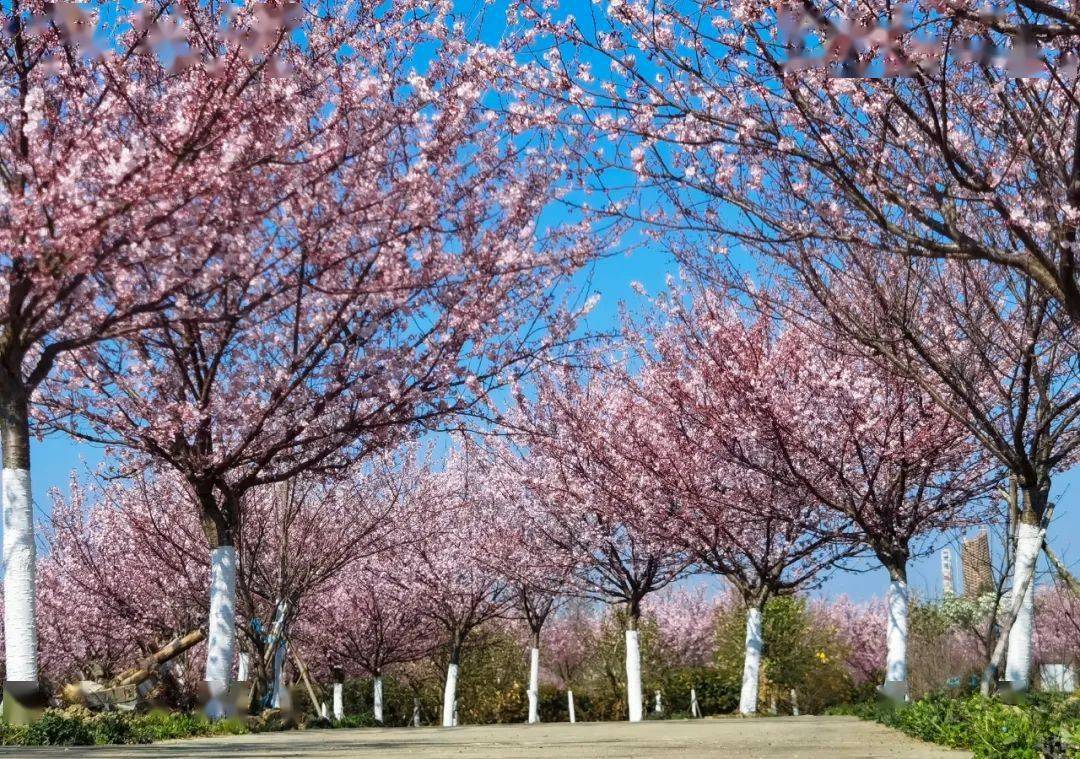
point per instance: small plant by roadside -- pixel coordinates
(79, 727)
(1042, 726)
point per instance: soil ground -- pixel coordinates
(809, 737)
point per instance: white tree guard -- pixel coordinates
(534, 685)
(449, 696)
(20, 556)
(222, 619)
(695, 710)
(243, 668)
(1018, 662)
(896, 632)
(658, 706)
(570, 706)
(377, 700)
(633, 676)
(275, 683)
(748, 697)
(339, 701)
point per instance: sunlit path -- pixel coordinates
(780, 737)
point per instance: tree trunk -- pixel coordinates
(1023, 582)
(534, 680)
(339, 701)
(376, 699)
(450, 691)
(277, 671)
(243, 668)
(896, 630)
(633, 671)
(1029, 540)
(748, 697)
(570, 706)
(20, 553)
(222, 619)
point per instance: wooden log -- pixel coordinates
(148, 666)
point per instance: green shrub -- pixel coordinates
(80, 727)
(1043, 725)
(61, 729)
(798, 654)
(716, 693)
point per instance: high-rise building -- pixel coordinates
(948, 586)
(975, 560)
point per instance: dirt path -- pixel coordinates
(815, 737)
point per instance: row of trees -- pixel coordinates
(749, 448)
(924, 219)
(120, 579)
(257, 250)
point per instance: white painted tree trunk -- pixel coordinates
(323, 711)
(794, 703)
(339, 701)
(570, 706)
(658, 706)
(20, 556)
(633, 676)
(243, 668)
(748, 697)
(1018, 663)
(534, 685)
(222, 620)
(275, 682)
(377, 702)
(695, 710)
(896, 632)
(416, 712)
(449, 696)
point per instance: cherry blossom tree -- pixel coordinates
(598, 505)
(686, 621)
(986, 346)
(701, 437)
(408, 277)
(452, 569)
(539, 577)
(298, 537)
(119, 579)
(1057, 638)
(877, 450)
(126, 569)
(861, 441)
(571, 635)
(369, 620)
(761, 550)
(858, 628)
(128, 172)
